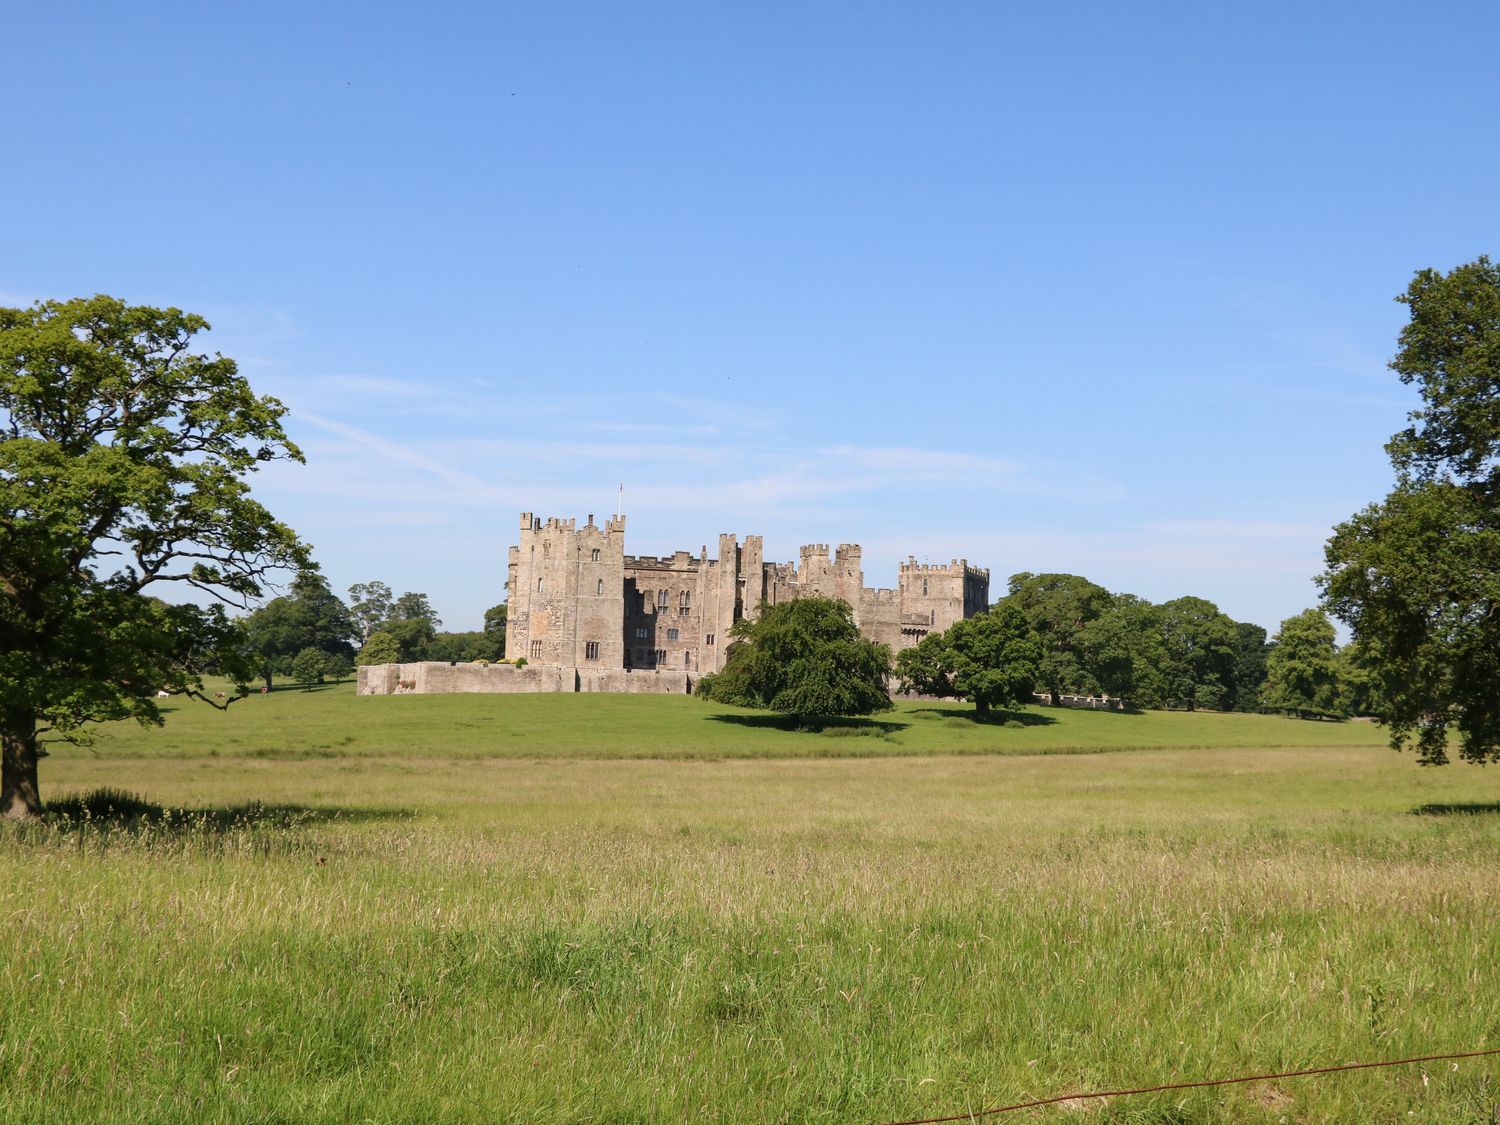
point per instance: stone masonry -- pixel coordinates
(588, 617)
(578, 601)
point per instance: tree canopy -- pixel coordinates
(1059, 608)
(123, 464)
(1303, 669)
(309, 616)
(409, 620)
(992, 659)
(804, 658)
(1417, 577)
(1198, 643)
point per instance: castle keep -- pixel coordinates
(588, 617)
(578, 601)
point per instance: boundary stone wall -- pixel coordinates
(435, 677)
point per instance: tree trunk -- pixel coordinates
(1056, 697)
(981, 708)
(19, 797)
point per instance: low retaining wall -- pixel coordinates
(437, 677)
(1081, 702)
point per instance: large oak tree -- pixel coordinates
(123, 464)
(1417, 577)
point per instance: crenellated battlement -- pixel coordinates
(953, 567)
(682, 560)
(530, 521)
(577, 601)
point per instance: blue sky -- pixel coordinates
(1101, 288)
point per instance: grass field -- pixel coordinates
(622, 909)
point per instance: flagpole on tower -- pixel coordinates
(620, 501)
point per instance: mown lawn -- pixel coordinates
(619, 909)
(332, 722)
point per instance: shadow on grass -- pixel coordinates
(1459, 808)
(816, 724)
(116, 809)
(994, 718)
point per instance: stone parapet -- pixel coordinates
(436, 677)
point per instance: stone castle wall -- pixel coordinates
(433, 677)
(588, 617)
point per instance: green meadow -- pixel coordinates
(640, 909)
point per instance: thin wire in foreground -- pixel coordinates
(977, 1114)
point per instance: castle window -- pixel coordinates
(687, 659)
(591, 650)
(661, 656)
(661, 597)
(600, 590)
(536, 650)
(686, 599)
(641, 633)
(924, 587)
(594, 557)
(671, 634)
(708, 640)
(538, 585)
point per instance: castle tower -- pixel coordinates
(849, 576)
(934, 597)
(566, 589)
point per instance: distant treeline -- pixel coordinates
(311, 633)
(1185, 653)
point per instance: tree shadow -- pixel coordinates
(1458, 808)
(115, 809)
(813, 724)
(994, 718)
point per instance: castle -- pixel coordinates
(587, 617)
(577, 600)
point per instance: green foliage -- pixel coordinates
(992, 659)
(804, 658)
(123, 458)
(1417, 577)
(1359, 682)
(379, 648)
(1250, 652)
(1059, 608)
(308, 667)
(1125, 651)
(338, 666)
(370, 603)
(310, 616)
(1198, 649)
(494, 627)
(409, 619)
(1302, 669)
(1450, 348)
(465, 647)
(416, 607)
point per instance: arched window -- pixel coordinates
(600, 590)
(538, 585)
(594, 557)
(661, 597)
